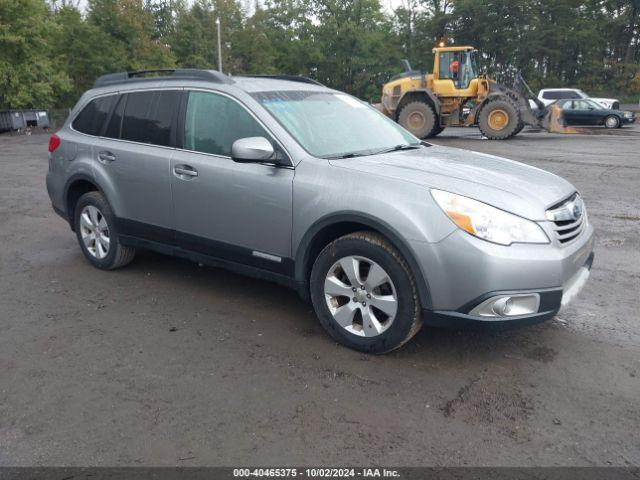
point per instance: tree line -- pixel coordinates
(51, 50)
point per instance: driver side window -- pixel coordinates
(580, 105)
(213, 122)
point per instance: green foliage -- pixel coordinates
(132, 34)
(359, 48)
(29, 76)
(590, 44)
(84, 52)
(194, 40)
(51, 52)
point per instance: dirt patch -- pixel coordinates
(542, 354)
(631, 218)
(500, 406)
(612, 242)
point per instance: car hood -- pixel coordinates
(512, 186)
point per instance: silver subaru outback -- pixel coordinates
(284, 179)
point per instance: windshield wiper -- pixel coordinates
(397, 148)
(343, 155)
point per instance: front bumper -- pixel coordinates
(628, 120)
(550, 302)
(463, 271)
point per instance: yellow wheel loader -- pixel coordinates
(456, 94)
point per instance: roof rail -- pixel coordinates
(165, 73)
(291, 78)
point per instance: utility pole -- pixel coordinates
(219, 46)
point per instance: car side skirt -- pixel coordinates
(244, 261)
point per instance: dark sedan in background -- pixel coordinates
(588, 112)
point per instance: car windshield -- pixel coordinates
(335, 125)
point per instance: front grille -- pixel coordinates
(567, 231)
(568, 218)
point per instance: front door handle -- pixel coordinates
(185, 171)
(106, 157)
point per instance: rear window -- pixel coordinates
(148, 116)
(92, 118)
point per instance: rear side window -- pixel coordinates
(558, 94)
(92, 118)
(213, 122)
(115, 124)
(148, 116)
(568, 94)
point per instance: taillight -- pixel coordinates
(54, 142)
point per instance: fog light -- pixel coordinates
(508, 306)
(501, 306)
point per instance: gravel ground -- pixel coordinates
(168, 363)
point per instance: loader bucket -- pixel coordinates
(548, 118)
(553, 122)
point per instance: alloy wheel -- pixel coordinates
(611, 122)
(361, 296)
(94, 232)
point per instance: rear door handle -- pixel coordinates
(106, 157)
(185, 171)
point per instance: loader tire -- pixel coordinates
(419, 118)
(500, 119)
(514, 99)
(437, 131)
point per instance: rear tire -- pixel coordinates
(612, 122)
(500, 119)
(419, 118)
(375, 310)
(97, 233)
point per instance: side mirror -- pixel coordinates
(252, 150)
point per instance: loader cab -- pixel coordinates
(455, 71)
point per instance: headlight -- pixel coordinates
(487, 222)
(628, 114)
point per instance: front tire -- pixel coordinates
(612, 122)
(500, 119)
(364, 293)
(97, 233)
